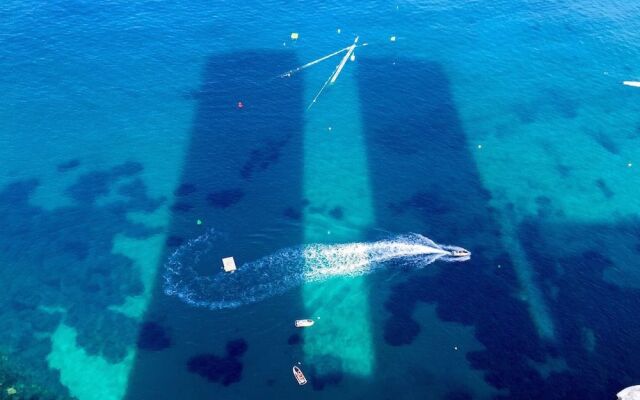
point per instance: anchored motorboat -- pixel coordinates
(304, 323)
(297, 373)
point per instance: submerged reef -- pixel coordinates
(263, 157)
(225, 370)
(63, 267)
(68, 165)
(153, 337)
(225, 198)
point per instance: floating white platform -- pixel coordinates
(630, 393)
(229, 264)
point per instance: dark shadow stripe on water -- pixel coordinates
(425, 179)
(242, 166)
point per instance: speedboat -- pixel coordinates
(304, 323)
(297, 373)
(460, 253)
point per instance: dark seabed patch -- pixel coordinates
(604, 140)
(95, 184)
(566, 105)
(153, 337)
(604, 188)
(263, 157)
(225, 370)
(526, 113)
(185, 189)
(337, 212)
(292, 214)
(295, 339)
(458, 395)
(174, 241)
(225, 198)
(563, 170)
(63, 259)
(320, 381)
(181, 207)
(68, 165)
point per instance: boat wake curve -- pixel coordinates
(290, 267)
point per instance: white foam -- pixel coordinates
(288, 268)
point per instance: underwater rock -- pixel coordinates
(185, 189)
(68, 165)
(458, 395)
(153, 337)
(337, 212)
(90, 186)
(400, 331)
(174, 241)
(294, 339)
(225, 370)
(262, 158)
(604, 188)
(181, 207)
(292, 214)
(237, 347)
(225, 198)
(216, 369)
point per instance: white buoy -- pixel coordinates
(339, 31)
(629, 165)
(392, 38)
(294, 36)
(479, 146)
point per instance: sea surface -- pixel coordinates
(135, 134)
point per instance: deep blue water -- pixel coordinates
(500, 127)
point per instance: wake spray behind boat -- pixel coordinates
(291, 267)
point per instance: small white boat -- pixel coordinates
(304, 323)
(297, 373)
(460, 253)
(631, 83)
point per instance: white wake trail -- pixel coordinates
(290, 267)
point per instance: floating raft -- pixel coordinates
(229, 264)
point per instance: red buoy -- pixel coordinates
(240, 105)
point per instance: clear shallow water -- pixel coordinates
(502, 128)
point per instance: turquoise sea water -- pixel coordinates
(502, 127)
